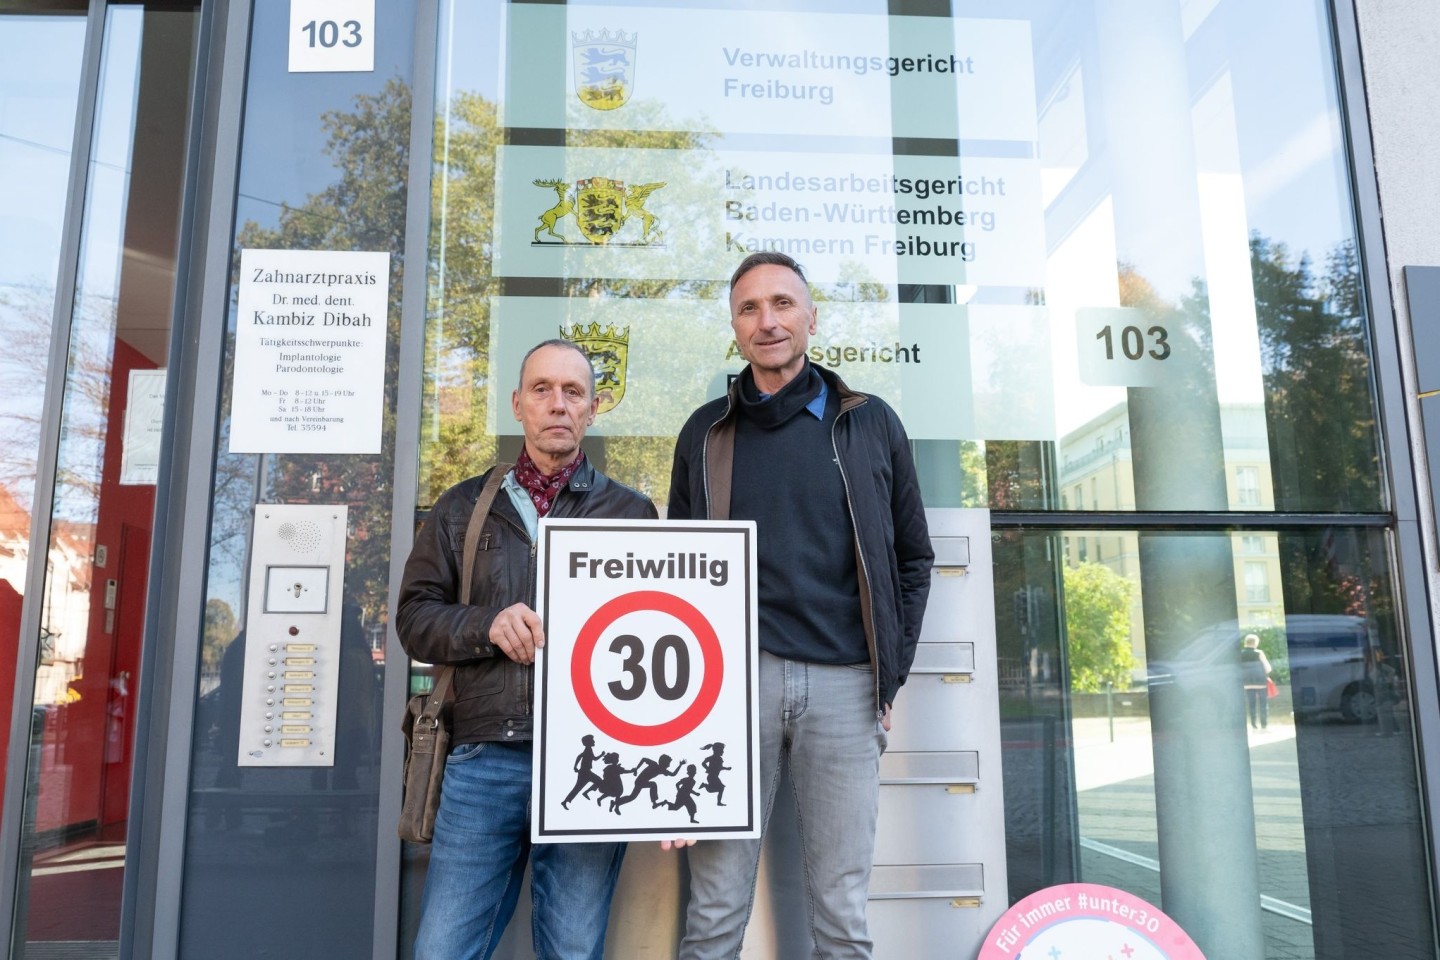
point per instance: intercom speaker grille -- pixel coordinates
(303, 537)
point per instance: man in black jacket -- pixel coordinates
(844, 572)
(482, 831)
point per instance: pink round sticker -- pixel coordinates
(1076, 920)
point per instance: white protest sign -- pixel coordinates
(310, 352)
(332, 36)
(645, 688)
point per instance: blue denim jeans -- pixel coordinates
(477, 863)
(821, 720)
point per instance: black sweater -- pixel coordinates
(787, 480)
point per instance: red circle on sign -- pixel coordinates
(583, 681)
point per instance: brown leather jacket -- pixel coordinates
(494, 697)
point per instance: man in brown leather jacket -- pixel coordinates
(482, 831)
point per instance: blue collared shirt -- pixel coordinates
(523, 504)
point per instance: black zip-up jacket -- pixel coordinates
(494, 697)
(892, 546)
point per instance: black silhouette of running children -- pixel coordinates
(713, 765)
(610, 783)
(645, 773)
(586, 778)
(685, 794)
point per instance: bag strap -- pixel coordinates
(477, 520)
(467, 569)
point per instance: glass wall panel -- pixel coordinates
(323, 167)
(40, 62)
(97, 573)
(1141, 752)
(1099, 260)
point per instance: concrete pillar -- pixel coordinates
(1204, 805)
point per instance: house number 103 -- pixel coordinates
(1136, 343)
(327, 33)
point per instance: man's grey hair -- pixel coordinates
(770, 258)
(558, 342)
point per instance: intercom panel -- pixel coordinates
(292, 636)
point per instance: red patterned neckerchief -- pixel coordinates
(542, 489)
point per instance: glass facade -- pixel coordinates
(1162, 254)
(1290, 792)
(38, 94)
(116, 336)
(322, 168)
(1153, 306)
(1103, 258)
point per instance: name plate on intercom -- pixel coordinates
(292, 636)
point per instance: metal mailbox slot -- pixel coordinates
(934, 717)
(962, 766)
(926, 881)
(928, 809)
(927, 911)
(952, 554)
(928, 825)
(947, 659)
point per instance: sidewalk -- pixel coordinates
(1116, 798)
(1100, 763)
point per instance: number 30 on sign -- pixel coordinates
(332, 36)
(644, 699)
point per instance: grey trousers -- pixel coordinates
(821, 719)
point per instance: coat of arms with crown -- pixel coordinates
(608, 349)
(604, 67)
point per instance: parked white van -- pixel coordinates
(1330, 665)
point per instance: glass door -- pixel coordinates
(97, 555)
(40, 62)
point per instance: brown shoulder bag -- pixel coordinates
(427, 722)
